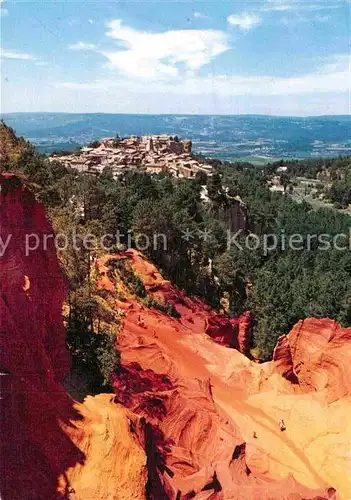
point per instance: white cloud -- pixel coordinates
(82, 46)
(279, 5)
(170, 62)
(244, 21)
(97, 84)
(14, 54)
(201, 15)
(300, 18)
(332, 77)
(337, 63)
(298, 5)
(3, 10)
(322, 18)
(158, 55)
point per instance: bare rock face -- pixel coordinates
(231, 332)
(235, 215)
(321, 352)
(315, 355)
(51, 446)
(244, 332)
(283, 359)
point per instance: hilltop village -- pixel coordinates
(153, 154)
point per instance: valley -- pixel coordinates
(222, 137)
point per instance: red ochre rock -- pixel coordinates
(51, 446)
(321, 352)
(218, 412)
(283, 359)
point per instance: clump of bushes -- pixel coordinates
(116, 141)
(93, 353)
(128, 276)
(161, 306)
(107, 357)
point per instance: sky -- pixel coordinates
(278, 57)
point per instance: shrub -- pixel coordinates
(116, 141)
(172, 311)
(94, 354)
(128, 276)
(107, 357)
(163, 307)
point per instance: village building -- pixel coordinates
(153, 154)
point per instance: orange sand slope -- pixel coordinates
(221, 412)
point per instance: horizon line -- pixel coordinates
(170, 114)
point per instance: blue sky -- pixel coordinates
(280, 57)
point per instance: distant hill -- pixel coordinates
(224, 137)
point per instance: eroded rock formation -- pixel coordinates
(219, 412)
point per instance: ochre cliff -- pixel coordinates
(320, 355)
(191, 416)
(51, 446)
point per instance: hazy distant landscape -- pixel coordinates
(221, 136)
